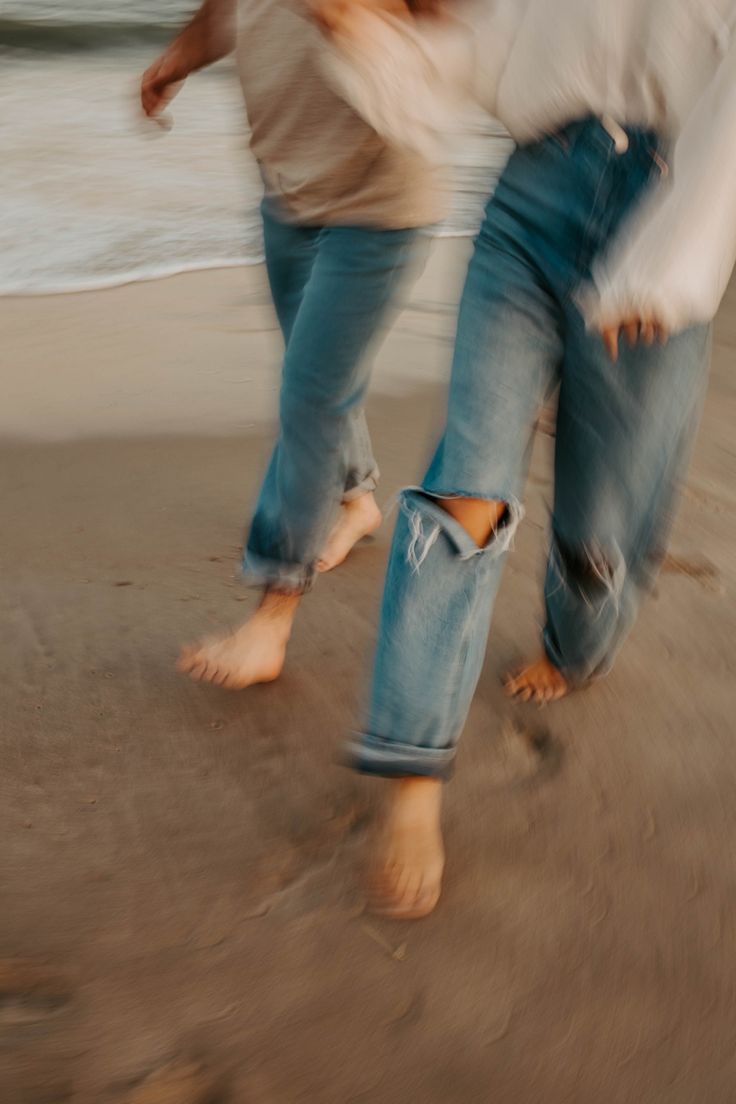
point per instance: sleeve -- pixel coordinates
(674, 261)
(407, 78)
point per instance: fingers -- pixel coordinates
(631, 331)
(644, 329)
(647, 333)
(610, 340)
(159, 84)
(153, 100)
(635, 329)
(151, 88)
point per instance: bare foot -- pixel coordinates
(358, 518)
(540, 682)
(406, 879)
(253, 653)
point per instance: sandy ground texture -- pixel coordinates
(180, 921)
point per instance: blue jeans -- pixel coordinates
(332, 289)
(623, 432)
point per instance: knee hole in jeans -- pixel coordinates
(480, 518)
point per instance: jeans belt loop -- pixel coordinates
(616, 133)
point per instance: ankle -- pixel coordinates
(363, 504)
(278, 610)
(417, 795)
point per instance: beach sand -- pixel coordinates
(178, 864)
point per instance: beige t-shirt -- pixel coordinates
(321, 162)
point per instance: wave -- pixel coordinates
(62, 37)
(121, 279)
(102, 282)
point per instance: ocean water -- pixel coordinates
(94, 195)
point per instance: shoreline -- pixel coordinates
(147, 276)
(137, 276)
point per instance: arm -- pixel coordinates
(670, 268)
(207, 38)
(407, 77)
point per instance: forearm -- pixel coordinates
(210, 35)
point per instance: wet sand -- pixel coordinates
(178, 864)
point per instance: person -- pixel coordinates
(341, 215)
(614, 218)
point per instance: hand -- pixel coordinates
(208, 37)
(635, 328)
(162, 80)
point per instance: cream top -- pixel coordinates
(669, 65)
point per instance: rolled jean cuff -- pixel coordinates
(294, 578)
(577, 678)
(375, 755)
(366, 486)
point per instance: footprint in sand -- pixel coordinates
(700, 569)
(525, 755)
(175, 1083)
(30, 992)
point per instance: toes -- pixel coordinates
(218, 675)
(512, 685)
(409, 892)
(426, 902)
(231, 681)
(196, 663)
(198, 670)
(186, 659)
(397, 894)
(412, 906)
(400, 898)
(539, 684)
(383, 885)
(386, 887)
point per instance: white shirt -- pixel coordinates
(668, 65)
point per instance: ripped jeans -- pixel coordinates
(623, 435)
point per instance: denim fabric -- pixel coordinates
(332, 289)
(623, 432)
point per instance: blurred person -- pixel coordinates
(341, 214)
(615, 216)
